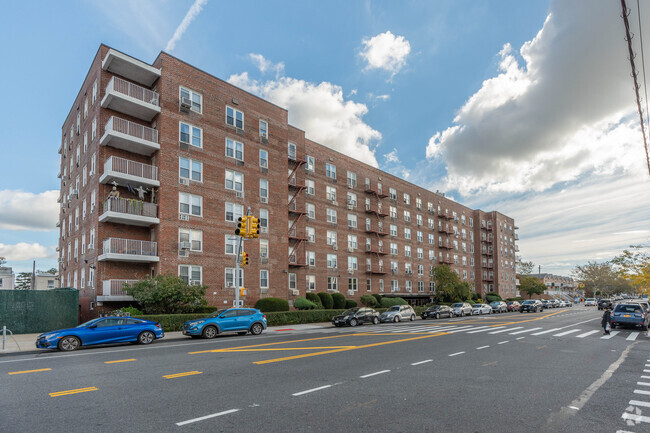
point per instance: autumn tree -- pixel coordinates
(525, 268)
(634, 266)
(600, 277)
(531, 286)
(449, 287)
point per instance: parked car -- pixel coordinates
(590, 302)
(645, 303)
(555, 303)
(239, 320)
(356, 316)
(531, 306)
(605, 303)
(499, 307)
(546, 303)
(513, 306)
(481, 309)
(461, 309)
(104, 330)
(630, 314)
(397, 313)
(437, 311)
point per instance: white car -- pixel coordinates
(481, 309)
(590, 302)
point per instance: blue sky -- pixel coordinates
(524, 107)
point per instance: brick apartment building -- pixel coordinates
(158, 162)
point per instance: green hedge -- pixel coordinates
(368, 300)
(303, 304)
(327, 300)
(299, 317)
(313, 297)
(272, 304)
(172, 322)
(389, 302)
(349, 303)
(339, 301)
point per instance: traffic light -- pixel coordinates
(253, 227)
(242, 226)
(244, 258)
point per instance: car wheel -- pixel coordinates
(353, 322)
(375, 320)
(412, 317)
(70, 343)
(146, 337)
(462, 314)
(438, 316)
(396, 318)
(256, 329)
(209, 332)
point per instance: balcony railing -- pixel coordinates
(130, 136)
(132, 129)
(131, 168)
(133, 90)
(130, 250)
(116, 287)
(131, 207)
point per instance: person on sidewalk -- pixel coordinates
(607, 321)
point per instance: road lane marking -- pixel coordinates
(639, 403)
(374, 374)
(119, 360)
(29, 371)
(573, 407)
(586, 334)
(504, 342)
(562, 334)
(611, 334)
(464, 330)
(638, 391)
(311, 390)
(547, 331)
(643, 383)
(485, 330)
(632, 336)
(278, 343)
(646, 371)
(506, 330)
(457, 353)
(520, 338)
(189, 421)
(422, 362)
(525, 330)
(72, 391)
(482, 347)
(635, 418)
(645, 377)
(187, 373)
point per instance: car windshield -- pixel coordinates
(628, 309)
(528, 302)
(590, 299)
(88, 323)
(394, 308)
(216, 313)
(435, 307)
(350, 311)
(478, 306)
(456, 305)
(494, 303)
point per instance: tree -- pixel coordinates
(525, 268)
(2, 261)
(166, 294)
(24, 281)
(449, 288)
(634, 266)
(531, 285)
(600, 277)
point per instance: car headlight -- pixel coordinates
(197, 323)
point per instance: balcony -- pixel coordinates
(113, 290)
(129, 250)
(134, 173)
(130, 136)
(296, 236)
(131, 212)
(376, 231)
(128, 67)
(375, 270)
(376, 250)
(131, 99)
(446, 246)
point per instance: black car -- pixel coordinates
(356, 316)
(531, 306)
(437, 311)
(605, 303)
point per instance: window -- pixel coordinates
(394, 286)
(190, 274)
(311, 283)
(311, 162)
(352, 199)
(409, 285)
(234, 149)
(393, 248)
(264, 248)
(393, 230)
(93, 129)
(195, 99)
(264, 220)
(234, 211)
(311, 234)
(264, 158)
(368, 285)
(352, 284)
(230, 277)
(331, 261)
(91, 239)
(331, 193)
(292, 281)
(331, 237)
(234, 181)
(332, 284)
(420, 253)
(264, 129)
(190, 134)
(194, 237)
(407, 216)
(95, 91)
(85, 141)
(311, 186)
(352, 221)
(381, 285)
(83, 210)
(311, 211)
(407, 233)
(86, 107)
(310, 257)
(352, 241)
(392, 193)
(432, 239)
(291, 150)
(83, 177)
(393, 212)
(92, 165)
(234, 117)
(331, 215)
(419, 219)
(420, 286)
(407, 250)
(76, 218)
(264, 279)
(83, 244)
(419, 236)
(78, 123)
(418, 203)
(432, 255)
(330, 171)
(264, 190)
(352, 179)
(190, 204)
(190, 169)
(407, 199)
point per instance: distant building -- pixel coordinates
(558, 285)
(7, 278)
(45, 281)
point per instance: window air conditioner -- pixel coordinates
(183, 181)
(264, 200)
(183, 217)
(185, 245)
(239, 194)
(350, 292)
(294, 292)
(186, 104)
(195, 283)
(229, 284)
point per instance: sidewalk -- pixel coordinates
(26, 343)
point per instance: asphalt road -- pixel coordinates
(533, 372)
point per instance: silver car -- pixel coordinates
(461, 309)
(481, 309)
(397, 313)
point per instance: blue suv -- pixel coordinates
(239, 320)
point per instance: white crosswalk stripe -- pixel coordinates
(464, 330)
(485, 330)
(611, 334)
(525, 330)
(562, 334)
(587, 334)
(505, 330)
(546, 332)
(632, 336)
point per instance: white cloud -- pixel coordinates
(386, 51)
(321, 111)
(25, 251)
(383, 98)
(194, 10)
(266, 65)
(393, 165)
(21, 210)
(566, 111)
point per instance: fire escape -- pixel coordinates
(296, 213)
(377, 230)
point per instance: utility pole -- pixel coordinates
(33, 274)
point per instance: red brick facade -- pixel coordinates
(294, 229)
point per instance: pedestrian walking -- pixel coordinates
(607, 321)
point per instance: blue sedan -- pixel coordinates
(105, 330)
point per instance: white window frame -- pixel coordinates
(233, 147)
(234, 175)
(190, 169)
(191, 134)
(236, 209)
(264, 130)
(234, 117)
(191, 95)
(193, 236)
(182, 195)
(264, 162)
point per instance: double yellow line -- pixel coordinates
(72, 391)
